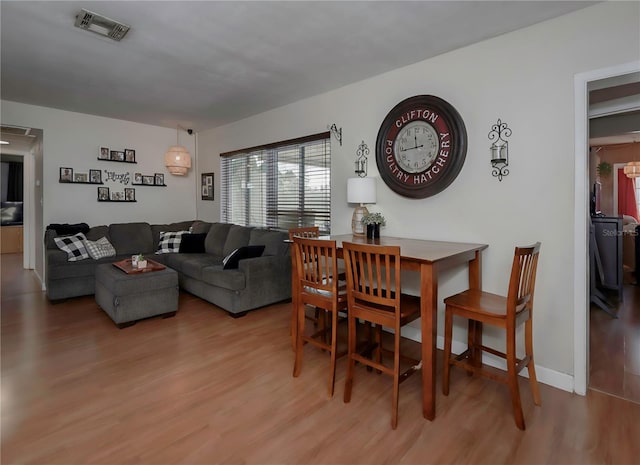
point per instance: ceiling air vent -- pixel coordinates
(102, 25)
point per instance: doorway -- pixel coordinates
(594, 337)
(25, 144)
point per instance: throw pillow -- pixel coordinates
(230, 262)
(67, 229)
(192, 243)
(170, 241)
(100, 249)
(74, 246)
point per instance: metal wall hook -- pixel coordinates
(337, 132)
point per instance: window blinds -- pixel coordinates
(282, 185)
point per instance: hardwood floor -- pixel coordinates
(614, 348)
(204, 388)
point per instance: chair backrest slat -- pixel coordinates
(316, 264)
(373, 274)
(523, 279)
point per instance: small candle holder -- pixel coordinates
(499, 149)
(361, 160)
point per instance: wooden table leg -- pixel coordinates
(474, 338)
(429, 327)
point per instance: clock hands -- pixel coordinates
(402, 149)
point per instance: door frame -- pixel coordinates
(581, 219)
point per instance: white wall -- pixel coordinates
(526, 78)
(74, 140)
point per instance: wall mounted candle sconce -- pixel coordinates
(361, 160)
(499, 149)
(337, 132)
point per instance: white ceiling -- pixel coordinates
(204, 64)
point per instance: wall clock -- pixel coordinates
(421, 146)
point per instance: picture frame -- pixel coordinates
(117, 196)
(103, 194)
(158, 179)
(117, 155)
(80, 177)
(149, 180)
(130, 155)
(66, 174)
(207, 186)
(137, 178)
(129, 194)
(104, 153)
(95, 176)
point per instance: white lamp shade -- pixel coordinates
(361, 190)
(177, 160)
(632, 169)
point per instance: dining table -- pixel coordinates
(428, 257)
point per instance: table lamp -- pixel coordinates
(360, 191)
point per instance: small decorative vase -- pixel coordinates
(373, 231)
(142, 264)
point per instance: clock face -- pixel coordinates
(421, 146)
(416, 146)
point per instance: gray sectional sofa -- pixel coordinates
(255, 283)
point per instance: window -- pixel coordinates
(282, 185)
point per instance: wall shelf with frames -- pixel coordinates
(128, 195)
(119, 156)
(67, 176)
(151, 180)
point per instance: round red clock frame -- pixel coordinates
(448, 159)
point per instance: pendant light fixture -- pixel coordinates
(632, 169)
(178, 159)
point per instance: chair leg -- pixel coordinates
(512, 376)
(396, 379)
(348, 384)
(448, 330)
(474, 343)
(297, 365)
(531, 367)
(334, 347)
(378, 342)
(294, 325)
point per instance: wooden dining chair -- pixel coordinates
(375, 296)
(318, 285)
(507, 313)
(306, 231)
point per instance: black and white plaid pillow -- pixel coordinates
(100, 249)
(170, 241)
(74, 246)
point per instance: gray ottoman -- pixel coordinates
(127, 298)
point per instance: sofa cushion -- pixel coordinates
(101, 248)
(216, 237)
(274, 241)
(192, 243)
(191, 264)
(238, 237)
(96, 232)
(233, 280)
(200, 227)
(74, 246)
(230, 262)
(170, 241)
(131, 238)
